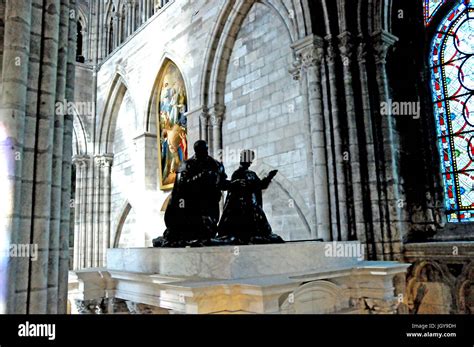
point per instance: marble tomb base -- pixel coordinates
(295, 277)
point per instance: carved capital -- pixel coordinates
(311, 56)
(330, 53)
(361, 52)
(217, 115)
(204, 116)
(309, 52)
(382, 41)
(80, 160)
(346, 45)
(104, 160)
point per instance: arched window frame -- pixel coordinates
(454, 127)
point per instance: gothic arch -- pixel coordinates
(108, 121)
(450, 103)
(223, 38)
(125, 210)
(79, 136)
(289, 190)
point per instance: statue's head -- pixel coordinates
(247, 156)
(201, 149)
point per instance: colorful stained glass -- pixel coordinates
(452, 85)
(431, 7)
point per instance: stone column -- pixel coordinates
(346, 49)
(12, 112)
(372, 189)
(104, 162)
(44, 157)
(134, 16)
(79, 164)
(128, 15)
(340, 178)
(140, 13)
(311, 56)
(334, 216)
(56, 188)
(216, 118)
(116, 32)
(395, 213)
(145, 11)
(204, 124)
(66, 171)
(150, 8)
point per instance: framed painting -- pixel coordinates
(171, 124)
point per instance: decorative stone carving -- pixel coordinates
(137, 308)
(104, 160)
(295, 69)
(346, 45)
(311, 56)
(80, 160)
(95, 306)
(382, 41)
(362, 52)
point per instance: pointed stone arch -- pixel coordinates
(224, 35)
(79, 139)
(297, 201)
(125, 211)
(116, 94)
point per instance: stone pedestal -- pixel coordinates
(302, 277)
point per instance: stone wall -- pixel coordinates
(264, 112)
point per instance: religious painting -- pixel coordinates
(171, 124)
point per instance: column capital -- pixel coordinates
(204, 115)
(330, 53)
(361, 52)
(104, 160)
(217, 114)
(81, 160)
(346, 44)
(311, 56)
(382, 41)
(309, 52)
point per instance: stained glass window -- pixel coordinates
(431, 7)
(452, 70)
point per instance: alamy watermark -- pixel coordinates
(400, 108)
(85, 109)
(344, 250)
(17, 250)
(232, 156)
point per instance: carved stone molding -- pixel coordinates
(104, 160)
(382, 41)
(362, 52)
(330, 51)
(81, 160)
(346, 45)
(309, 52)
(204, 116)
(216, 115)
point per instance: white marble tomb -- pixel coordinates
(296, 277)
